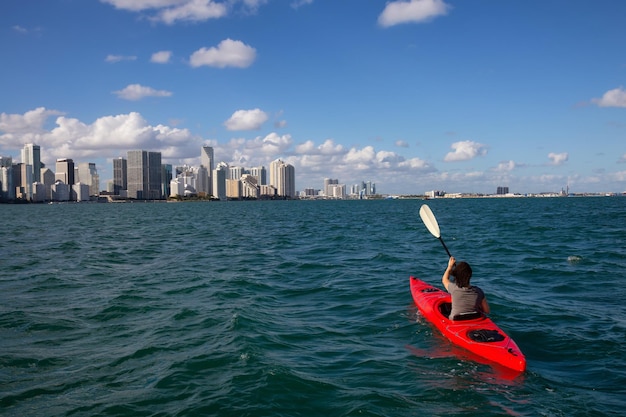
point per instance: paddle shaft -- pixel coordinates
(445, 247)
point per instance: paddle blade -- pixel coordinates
(430, 221)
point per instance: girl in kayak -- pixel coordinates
(468, 301)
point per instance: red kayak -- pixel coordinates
(479, 335)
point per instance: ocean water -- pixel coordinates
(303, 308)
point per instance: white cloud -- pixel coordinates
(360, 157)
(107, 137)
(306, 147)
(20, 29)
(258, 151)
(274, 143)
(30, 123)
(253, 5)
(327, 148)
(558, 158)
(228, 53)
(505, 166)
(612, 98)
(416, 164)
(139, 5)
(118, 58)
(465, 150)
(330, 148)
(194, 11)
(299, 3)
(246, 120)
(412, 11)
(619, 176)
(161, 57)
(136, 92)
(171, 11)
(402, 144)
(622, 159)
(280, 124)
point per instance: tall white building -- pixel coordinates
(283, 178)
(88, 175)
(219, 181)
(207, 160)
(249, 186)
(7, 189)
(47, 179)
(328, 182)
(260, 173)
(203, 180)
(31, 155)
(235, 173)
(65, 171)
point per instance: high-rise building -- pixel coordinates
(260, 173)
(88, 175)
(233, 189)
(328, 183)
(219, 181)
(31, 155)
(249, 186)
(336, 191)
(120, 175)
(7, 190)
(235, 173)
(283, 178)
(47, 179)
(65, 171)
(202, 180)
(166, 176)
(207, 160)
(25, 182)
(144, 175)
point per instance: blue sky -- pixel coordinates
(454, 95)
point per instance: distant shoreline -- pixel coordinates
(106, 199)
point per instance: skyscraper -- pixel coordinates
(25, 182)
(88, 174)
(65, 171)
(328, 182)
(283, 178)
(207, 160)
(219, 181)
(31, 155)
(202, 180)
(166, 177)
(260, 173)
(120, 175)
(144, 175)
(7, 190)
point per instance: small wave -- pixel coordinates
(574, 259)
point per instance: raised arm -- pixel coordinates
(445, 279)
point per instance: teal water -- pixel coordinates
(300, 308)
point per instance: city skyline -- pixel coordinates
(142, 176)
(413, 95)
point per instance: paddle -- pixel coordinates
(431, 224)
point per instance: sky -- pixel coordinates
(412, 95)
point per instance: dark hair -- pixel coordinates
(462, 273)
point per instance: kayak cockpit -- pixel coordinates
(445, 308)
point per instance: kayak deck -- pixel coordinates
(480, 336)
